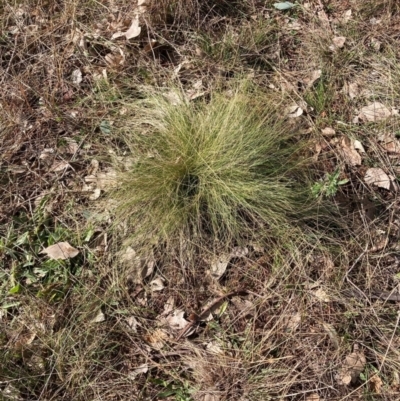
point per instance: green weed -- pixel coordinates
(329, 185)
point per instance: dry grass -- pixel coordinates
(308, 305)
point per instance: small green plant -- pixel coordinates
(223, 170)
(320, 95)
(329, 185)
(181, 391)
(20, 246)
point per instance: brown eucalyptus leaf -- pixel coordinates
(61, 250)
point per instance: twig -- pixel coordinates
(197, 318)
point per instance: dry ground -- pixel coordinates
(311, 323)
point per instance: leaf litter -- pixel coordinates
(349, 153)
(376, 176)
(374, 112)
(352, 366)
(60, 250)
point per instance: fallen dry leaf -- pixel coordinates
(376, 44)
(323, 17)
(139, 370)
(352, 366)
(96, 194)
(46, 153)
(337, 43)
(142, 6)
(11, 393)
(93, 168)
(351, 156)
(59, 165)
(376, 384)
(346, 16)
(71, 147)
(378, 177)
(389, 142)
(134, 30)
(132, 323)
(293, 321)
(332, 333)
(140, 267)
(100, 317)
(219, 265)
(104, 180)
(245, 306)
(114, 59)
(358, 146)
(156, 339)
(294, 111)
(169, 306)
(321, 295)
(239, 252)
(352, 89)
(76, 76)
(61, 250)
(313, 397)
(214, 348)
(176, 320)
(211, 397)
(157, 284)
(173, 97)
(328, 131)
(375, 111)
(316, 74)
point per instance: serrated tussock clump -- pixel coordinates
(217, 171)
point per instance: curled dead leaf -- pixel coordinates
(389, 142)
(332, 333)
(239, 252)
(352, 89)
(337, 43)
(321, 295)
(219, 265)
(96, 194)
(134, 30)
(59, 165)
(139, 370)
(349, 153)
(100, 317)
(328, 131)
(352, 366)
(214, 348)
(376, 384)
(293, 321)
(294, 111)
(76, 76)
(132, 323)
(346, 16)
(157, 284)
(176, 320)
(156, 339)
(314, 76)
(358, 146)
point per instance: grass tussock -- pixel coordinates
(223, 170)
